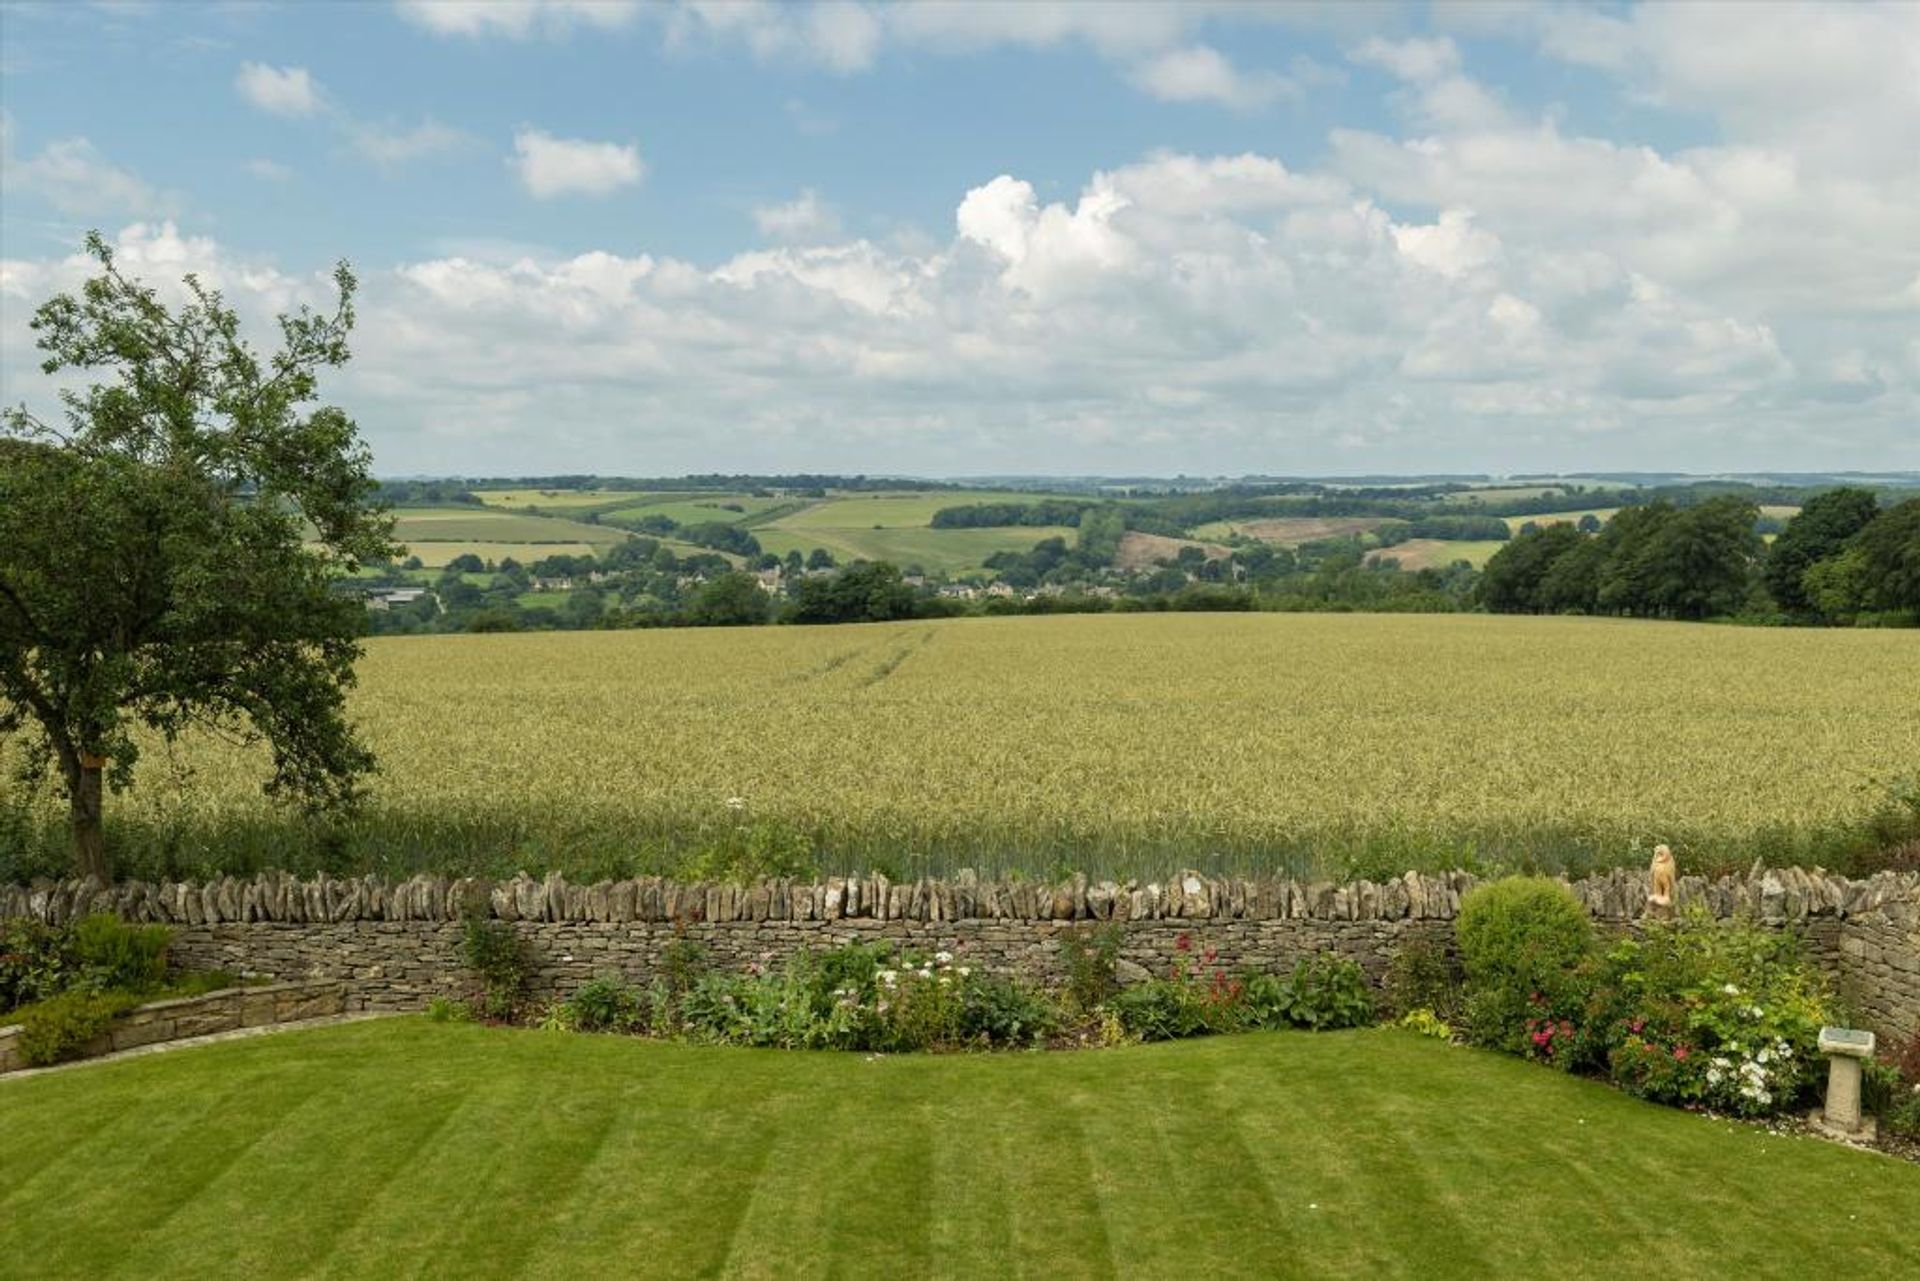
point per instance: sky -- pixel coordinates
(953, 239)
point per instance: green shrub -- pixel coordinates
(1093, 959)
(1329, 992)
(113, 954)
(1001, 1011)
(1724, 1015)
(1322, 993)
(609, 1004)
(1159, 1010)
(1521, 942)
(501, 960)
(36, 961)
(1421, 977)
(60, 1027)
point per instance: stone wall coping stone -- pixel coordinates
(1773, 895)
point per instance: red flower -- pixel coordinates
(1680, 1054)
(1184, 943)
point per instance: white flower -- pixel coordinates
(1731, 990)
(888, 976)
(1755, 1011)
(1764, 1056)
(943, 958)
(963, 971)
(736, 802)
(1713, 1076)
(1721, 1063)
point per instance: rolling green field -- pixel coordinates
(549, 499)
(698, 509)
(1433, 553)
(406, 1148)
(438, 534)
(1123, 744)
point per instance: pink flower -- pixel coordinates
(1680, 1054)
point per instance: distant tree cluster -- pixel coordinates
(1841, 557)
(1047, 511)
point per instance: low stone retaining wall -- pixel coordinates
(397, 945)
(227, 1010)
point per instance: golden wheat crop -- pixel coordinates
(1114, 743)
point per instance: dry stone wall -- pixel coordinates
(396, 945)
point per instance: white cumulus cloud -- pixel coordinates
(550, 166)
(804, 218)
(283, 91)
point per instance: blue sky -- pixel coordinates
(1069, 238)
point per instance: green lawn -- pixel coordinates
(404, 1148)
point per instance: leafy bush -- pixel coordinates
(60, 1027)
(609, 1004)
(1093, 958)
(113, 954)
(500, 960)
(1421, 977)
(1522, 941)
(1722, 1015)
(1199, 998)
(36, 961)
(1001, 1011)
(1329, 992)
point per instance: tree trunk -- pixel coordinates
(89, 841)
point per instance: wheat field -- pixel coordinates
(1126, 744)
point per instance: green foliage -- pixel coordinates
(729, 600)
(1427, 1023)
(443, 1009)
(36, 961)
(500, 959)
(1521, 941)
(609, 1003)
(1328, 992)
(1092, 956)
(61, 1027)
(1721, 1015)
(868, 592)
(863, 997)
(1420, 976)
(168, 555)
(113, 954)
(1005, 1012)
(1823, 526)
(751, 849)
(1652, 561)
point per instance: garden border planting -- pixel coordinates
(397, 945)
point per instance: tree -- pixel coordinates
(730, 600)
(867, 592)
(467, 563)
(1510, 584)
(1891, 547)
(820, 558)
(168, 554)
(1819, 530)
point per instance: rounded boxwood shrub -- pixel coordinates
(1521, 941)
